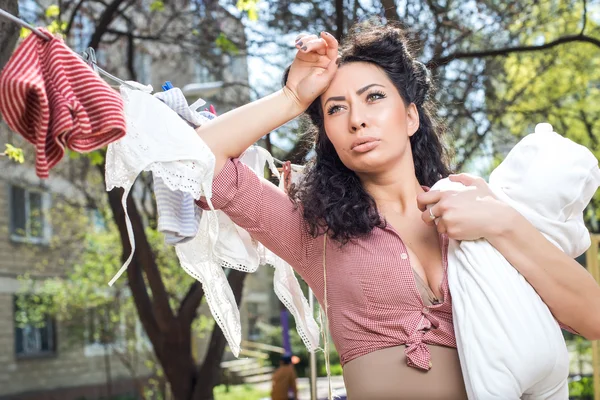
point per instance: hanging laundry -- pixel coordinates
(549, 180)
(56, 101)
(218, 242)
(157, 140)
(234, 248)
(178, 215)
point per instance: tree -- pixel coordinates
(9, 32)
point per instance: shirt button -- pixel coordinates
(404, 256)
(425, 310)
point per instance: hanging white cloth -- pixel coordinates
(234, 248)
(510, 345)
(211, 241)
(157, 140)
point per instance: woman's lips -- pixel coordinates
(365, 144)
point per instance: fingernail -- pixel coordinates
(303, 48)
(337, 61)
(299, 43)
(327, 33)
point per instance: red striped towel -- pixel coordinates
(55, 100)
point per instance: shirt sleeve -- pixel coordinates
(263, 210)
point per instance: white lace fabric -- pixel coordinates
(157, 140)
(230, 246)
(160, 141)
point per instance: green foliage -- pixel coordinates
(272, 335)
(91, 312)
(251, 7)
(226, 45)
(14, 153)
(582, 389)
(239, 392)
(52, 11)
(157, 5)
(557, 85)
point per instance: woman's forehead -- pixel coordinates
(355, 75)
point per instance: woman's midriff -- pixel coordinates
(384, 374)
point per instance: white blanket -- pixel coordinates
(509, 344)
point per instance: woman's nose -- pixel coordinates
(355, 126)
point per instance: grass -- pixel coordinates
(240, 392)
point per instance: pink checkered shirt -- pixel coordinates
(373, 299)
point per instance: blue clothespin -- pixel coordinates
(167, 86)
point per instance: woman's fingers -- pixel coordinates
(318, 46)
(332, 45)
(302, 40)
(308, 57)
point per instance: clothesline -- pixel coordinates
(90, 58)
(87, 55)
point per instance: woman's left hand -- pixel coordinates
(465, 215)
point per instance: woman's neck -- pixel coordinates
(395, 190)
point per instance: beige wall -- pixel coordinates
(68, 367)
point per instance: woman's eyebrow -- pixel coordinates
(358, 92)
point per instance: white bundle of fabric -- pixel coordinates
(510, 345)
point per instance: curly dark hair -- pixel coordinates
(332, 196)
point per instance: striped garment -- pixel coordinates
(178, 215)
(56, 101)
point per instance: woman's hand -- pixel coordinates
(471, 214)
(313, 68)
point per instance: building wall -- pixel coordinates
(72, 364)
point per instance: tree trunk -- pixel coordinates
(9, 31)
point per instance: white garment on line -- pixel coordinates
(510, 345)
(159, 140)
(178, 215)
(234, 248)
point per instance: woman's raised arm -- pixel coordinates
(310, 74)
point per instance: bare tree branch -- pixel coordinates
(439, 62)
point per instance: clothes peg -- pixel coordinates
(168, 85)
(212, 109)
(89, 56)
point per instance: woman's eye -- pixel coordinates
(375, 96)
(333, 109)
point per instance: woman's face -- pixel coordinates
(366, 119)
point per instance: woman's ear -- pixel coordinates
(412, 119)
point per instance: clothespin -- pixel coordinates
(89, 56)
(168, 85)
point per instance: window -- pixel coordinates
(105, 330)
(31, 339)
(28, 215)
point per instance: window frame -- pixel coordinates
(45, 202)
(50, 326)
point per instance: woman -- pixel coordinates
(358, 231)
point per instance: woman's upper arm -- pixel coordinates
(263, 210)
